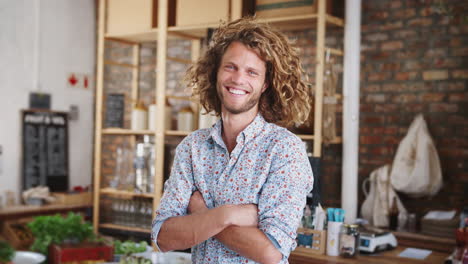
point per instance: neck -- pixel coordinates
(233, 125)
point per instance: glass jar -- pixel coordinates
(349, 241)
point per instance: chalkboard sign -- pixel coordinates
(115, 108)
(45, 149)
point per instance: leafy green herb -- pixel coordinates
(129, 247)
(6, 252)
(55, 229)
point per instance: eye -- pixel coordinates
(229, 67)
(252, 73)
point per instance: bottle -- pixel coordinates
(139, 116)
(393, 215)
(185, 119)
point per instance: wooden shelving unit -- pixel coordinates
(194, 34)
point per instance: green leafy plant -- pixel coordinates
(6, 252)
(54, 229)
(129, 247)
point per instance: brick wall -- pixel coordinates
(415, 60)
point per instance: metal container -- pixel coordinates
(349, 241)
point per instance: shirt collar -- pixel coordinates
(250, 132)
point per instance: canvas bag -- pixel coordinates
(378, 199)
(416, 166)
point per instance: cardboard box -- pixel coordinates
(201, 12)
(83, 198)
(311, 241)
(18, 234)
(60, 254)
(128, 16)
(283, 8)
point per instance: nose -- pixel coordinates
(238, 78)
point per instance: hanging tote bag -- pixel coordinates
(416, 166)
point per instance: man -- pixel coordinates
(237, 191)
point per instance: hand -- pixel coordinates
(197, 203)
(244, 215)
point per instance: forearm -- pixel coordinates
(251, 243)
(183, 232)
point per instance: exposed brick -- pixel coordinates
(379, 76)
(373, 120)
(412, 65)
(440, 52)
(391, 130)
(450, 62)
(381, 55)
(405, 34)
(427, 11)
(405, 76)
(392, 45)
(432, 97)
(371, 88)
(405, 13)
(413, 108)
(395, 4)
(458, 97)
(452, 86)
(443, 107)
(462, 51)
(378, 15)
(412, 53)
(459, 29)
(435, 75)
(390, 25)
(376, 36)
(420, 22)
(456, 42)
(375, 98)
(370, 140)
(386, 108)
(405, 98)
(391, 66)
(460, 74)
(393, 87)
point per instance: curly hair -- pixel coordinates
(286, 101)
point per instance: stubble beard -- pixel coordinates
(251, 103)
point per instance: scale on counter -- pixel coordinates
(372, 241)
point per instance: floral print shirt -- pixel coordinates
(268, 167)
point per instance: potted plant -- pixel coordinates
(55, 229)
(7, 253)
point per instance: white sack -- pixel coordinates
(416, 166)
(379, 198)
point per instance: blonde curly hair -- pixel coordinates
(286, 101)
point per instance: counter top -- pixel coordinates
(386, 257)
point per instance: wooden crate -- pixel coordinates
(317, 241)
(128, 16)
(17, 233)
(82, 198)
(201, 12)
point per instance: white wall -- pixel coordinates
(67, 44)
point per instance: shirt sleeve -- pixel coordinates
(177, 189)
(283, 196)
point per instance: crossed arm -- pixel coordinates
(233, 225)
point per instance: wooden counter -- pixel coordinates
(15, 212)
(386, 257)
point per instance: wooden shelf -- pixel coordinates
(337, 140)
(114, 192)
(122, 131)
(200, 31)
(126, 228)
(177, 133)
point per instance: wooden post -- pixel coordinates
(98, 117)
(160, 101)
(319, 70)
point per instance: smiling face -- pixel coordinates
(240, 80)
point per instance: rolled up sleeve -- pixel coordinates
(177, 190)
(283, 195)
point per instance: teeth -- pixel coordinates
(236, 91)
